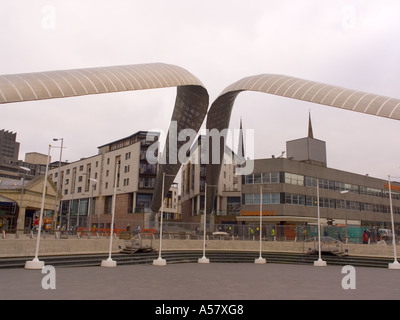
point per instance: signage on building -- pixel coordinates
(392, 187)
(257, 213)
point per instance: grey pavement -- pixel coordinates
(191, 281)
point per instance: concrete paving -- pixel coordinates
(192, 281)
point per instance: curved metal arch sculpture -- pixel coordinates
(190, 106)
(219, 114)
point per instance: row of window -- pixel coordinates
(300, 180)
(311, 201)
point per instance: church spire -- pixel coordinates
(310, 130)
(241, 144)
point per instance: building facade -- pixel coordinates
(288, 188)
(289, 195)
(12, 168)
(88, 185)
(193, 185)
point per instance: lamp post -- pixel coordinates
(20, 204)
(58, 183)
(110, 262)
(260, 260)
(160, 261)
(71, 202)
(36, 263)
(204, 259)
(347, 231)
(320, 262)
(89, 223)
(395, 265)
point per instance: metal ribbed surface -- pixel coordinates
(190, 106)
(78, 82)
(329, 95)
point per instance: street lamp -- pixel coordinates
(260, 260)
(36, 263)
(395, 265)
(110, 262)
(204, 259)
(89, 224)
(20, 204)
(320, 262)
(160, 261)
(58, 183)
(347, 231)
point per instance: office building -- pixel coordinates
(288, 187)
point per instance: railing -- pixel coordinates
(180, 230)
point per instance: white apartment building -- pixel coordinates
(89, 183)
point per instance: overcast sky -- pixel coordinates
(353, 44)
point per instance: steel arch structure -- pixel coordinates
(218, 116)
(190, 109)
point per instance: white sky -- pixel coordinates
(353, 44)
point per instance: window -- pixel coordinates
(294, 199)
(268, 198)
(257, 178)
(143, 201)
(249, 179)
(248, 199)
(311, 182)
(268, 177)
(295, 179)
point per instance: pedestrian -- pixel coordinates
(128, 227)
(36, 224)
(365, 237)
(304, 234)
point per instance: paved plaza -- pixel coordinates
(191, 281)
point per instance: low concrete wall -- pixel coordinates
(24, 247)
(49, 247)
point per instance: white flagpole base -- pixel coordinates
(320, 263)
(35, 264)
(394, 266)
(159, 262)
(203, 260)
(260, 261)
(109, 263)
